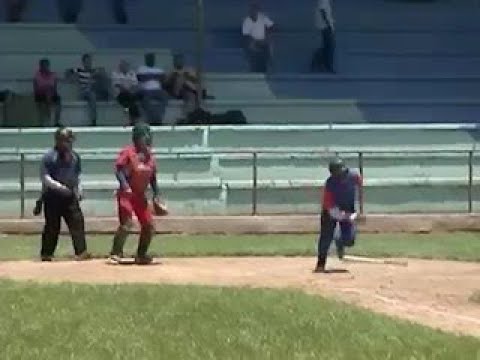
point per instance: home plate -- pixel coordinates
(130, 261)
(367, 260)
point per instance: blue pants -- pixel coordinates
(346, 238)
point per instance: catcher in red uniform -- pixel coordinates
(135, 170)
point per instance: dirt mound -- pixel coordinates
(434, 293)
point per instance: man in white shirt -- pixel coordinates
(125, 88)
(153, 97)
(324, 57)
(256, 29)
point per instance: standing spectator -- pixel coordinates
(93, 85)
(46, 95)
(60, 175)
(70, 9)
(153, 98)
(119, 12)
(256, 29)
(14, 9)
(324, 57)
(125, 88)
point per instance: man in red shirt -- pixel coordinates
(46, 94)
(338, 209)
(135, 170)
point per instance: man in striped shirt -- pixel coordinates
(93, 85)
(153, 97)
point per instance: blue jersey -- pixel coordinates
(66, 170)
(340, 191)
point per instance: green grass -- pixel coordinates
(167, 322)
(454, 246)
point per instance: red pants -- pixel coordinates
(131, 203)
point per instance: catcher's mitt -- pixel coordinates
(159, 209)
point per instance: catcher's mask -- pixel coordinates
(141, 135)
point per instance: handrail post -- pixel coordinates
(470, 181)
(22, 185)
(360, 169)
(254, 181)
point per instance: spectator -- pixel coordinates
(125, 88)
(257, 28)
(93, 85)
(70, 9)
(182, 83)
(153, 98)
(324, 57)
(46, 94)
(14, 9)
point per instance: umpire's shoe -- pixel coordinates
(83, 256)
(143, 260)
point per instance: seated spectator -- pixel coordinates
(70, 9)
(152, 95)
(257, 28)
(182, 83)
(93, 85)
(46, 94)
(323, 59)
(14, 9)
(125, 88)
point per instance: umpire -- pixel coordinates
(60, 176)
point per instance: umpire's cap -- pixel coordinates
(336, 166)
(64, 134)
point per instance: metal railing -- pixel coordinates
(253, 154)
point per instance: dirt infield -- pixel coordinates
(434, 293)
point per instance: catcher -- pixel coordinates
(135, 169)
(338, 209)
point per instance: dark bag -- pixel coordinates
(232, 117)
(203, 117)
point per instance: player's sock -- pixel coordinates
(144, 241)
(119, 241)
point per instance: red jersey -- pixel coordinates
(138, 168)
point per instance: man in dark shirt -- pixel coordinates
(338, 209)
(62, 192)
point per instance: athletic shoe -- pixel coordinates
(115, 259)
(143, 260)
(46, 258)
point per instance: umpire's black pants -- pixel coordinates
(56, 207)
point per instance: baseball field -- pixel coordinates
(244, 297)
